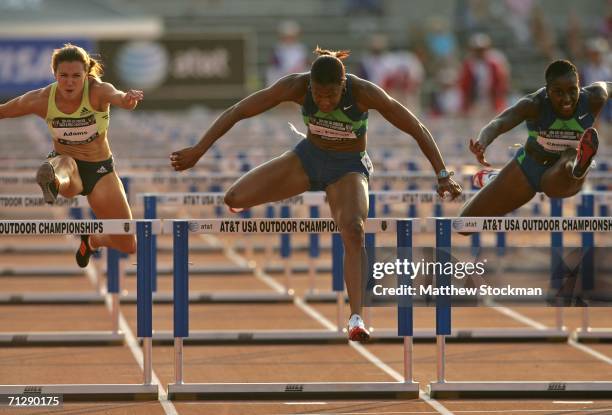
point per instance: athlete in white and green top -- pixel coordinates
(332, 156)
(76, 109)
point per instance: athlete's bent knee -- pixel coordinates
(352, 231)
(232, 199)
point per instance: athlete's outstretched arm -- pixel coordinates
(524, 109)
(285, 89)
(25, 104)
(371, 96)
(126, 100)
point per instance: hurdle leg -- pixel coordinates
(113, 285)
(145, 297)
(405, 318)
(338, 278)
(286, 252)
(180, 294)
(441, 358)
(313, 253)
(178, 360)
(585, 320)
(115, 311)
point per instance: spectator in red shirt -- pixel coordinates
(484, 78)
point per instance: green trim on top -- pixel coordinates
(571, 125)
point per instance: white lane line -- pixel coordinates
(575, 402)
(134, 347)
(240, 260)
(526, 320)
(519, 317)
(590, 351)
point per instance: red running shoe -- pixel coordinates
(356, 329)
(484, 176)
(84, 252)
(587, 148)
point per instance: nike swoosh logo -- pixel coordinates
(345, 108)
(582, 116)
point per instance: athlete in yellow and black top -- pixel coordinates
(76, 108)
(331, 157)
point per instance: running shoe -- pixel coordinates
(84, 252)
(587, 148)
(45, 177)
(357, 331)
(484, 176)
(235, 210)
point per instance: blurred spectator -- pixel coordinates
(446, 96)
(484, 78)
(605, 28)
(289, 55)
(400, 73)
(373, 64)
(471, 16)
(517, 17)
(543, 34)
(441, 43)
(574, 36)
(598, 67)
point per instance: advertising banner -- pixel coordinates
(178, 71)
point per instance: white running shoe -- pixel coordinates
(357, 331)
(483, 177)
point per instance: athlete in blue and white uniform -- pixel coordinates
(332, 157)
(558, 152)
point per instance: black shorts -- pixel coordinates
(90, 171)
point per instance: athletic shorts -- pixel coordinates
(326, 167)
(532, 169)
(90, 171)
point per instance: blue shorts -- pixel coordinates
(531, 168)
(326, 167)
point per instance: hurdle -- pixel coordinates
(234, 226)
(180, 390)
(495, 389)
(66, 338)
(98, 392)
(12, 298)
(586, 333)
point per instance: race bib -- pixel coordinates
(367, 163)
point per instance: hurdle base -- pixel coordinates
(224, 270)
(52, 298)
(477, 335)
(293, 391)
(218, 298)
(87, 392)
(60, 338)
(322, 297)
(520, 389)
(593, 335)
(254, 337)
